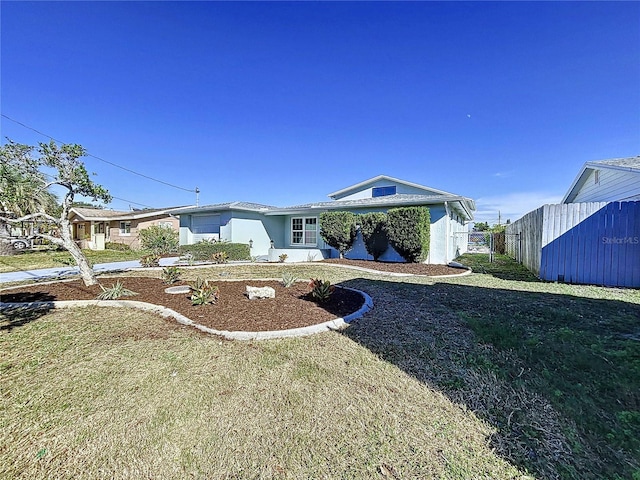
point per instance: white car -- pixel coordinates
(19, 243)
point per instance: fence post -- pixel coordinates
(491, 248)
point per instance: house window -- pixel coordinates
(125, 228)
(304, 231)
(165, 224)
(596, 177)
(383, 191)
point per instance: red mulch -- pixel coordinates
(292, 307)
(397, 267)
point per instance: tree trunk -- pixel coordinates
(86, 272)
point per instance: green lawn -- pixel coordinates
(56, 258)
(481, 376)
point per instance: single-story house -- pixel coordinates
(614, 180)
(93, 227)
(295, 231)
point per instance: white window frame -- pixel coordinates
(304, 222)
(124, 226)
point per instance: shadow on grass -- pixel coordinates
(17, 315)
(501, 266)
(557, 376)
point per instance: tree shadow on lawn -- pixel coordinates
(502, 267)
(17, 315)
(557, 376)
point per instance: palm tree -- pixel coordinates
(24, 193)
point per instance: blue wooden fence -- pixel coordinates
(601, 249)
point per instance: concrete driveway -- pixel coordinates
(57, 272)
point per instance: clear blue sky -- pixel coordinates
(282, 103)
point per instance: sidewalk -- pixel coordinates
(65, 271)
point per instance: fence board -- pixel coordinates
(597, 243)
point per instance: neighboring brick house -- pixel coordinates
(93, 227)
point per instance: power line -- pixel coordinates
(51, 177)
(102, 159)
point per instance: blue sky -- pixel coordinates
(282, 103)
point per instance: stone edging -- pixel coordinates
(335, 324)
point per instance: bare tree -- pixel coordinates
(70, 174)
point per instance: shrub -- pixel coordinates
(373, 227)
(408, 229)
(114, 292)
(159, 240)
(288, 279)
(338, 229)
(321, 290)
(204, 250)
(150, 260)
(203, 292)
(171, 275)
(121, 247)
(283, 257)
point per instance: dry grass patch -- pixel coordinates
(92, 393)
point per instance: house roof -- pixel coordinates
(217, 207)
(361, 185)
(98, 214)
(430, 197)
(466, 204)
(629, 164)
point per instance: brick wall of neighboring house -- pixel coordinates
(82, 230)
(132, 238)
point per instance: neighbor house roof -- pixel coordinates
(629, 164)
(466, 204)
(218, 207)
(103, 215)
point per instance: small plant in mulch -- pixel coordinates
(321, 290)
(283, 257)
(115, 292)
(288, 279)
(150, 260)
(171, 275)
(220, 257)
(204, 293)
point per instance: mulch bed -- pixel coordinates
(292, 307)
(395, 267)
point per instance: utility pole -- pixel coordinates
(499, 218)
(197, 190)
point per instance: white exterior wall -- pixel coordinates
(440, 234)
(242, 230)
(613, 185)
(359, 252)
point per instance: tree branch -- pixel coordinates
(31, 216)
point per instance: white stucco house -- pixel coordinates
(614, 180)
(295, 230)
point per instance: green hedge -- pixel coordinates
(338, 229)
(373, 227)
(203, 251)
(409, 230)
